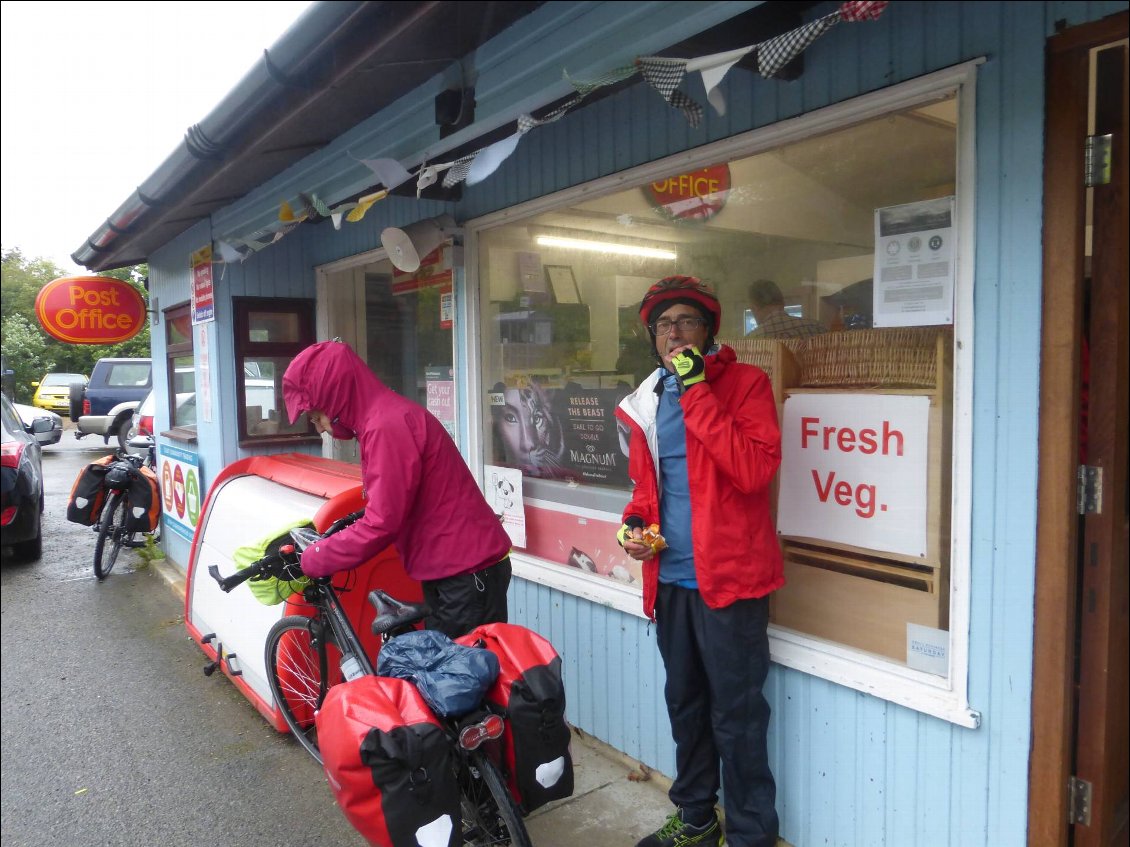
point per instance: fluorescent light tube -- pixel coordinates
(604, 247)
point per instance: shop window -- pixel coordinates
(181, 369)
(836, 258)
(268, 335)
(401, 323)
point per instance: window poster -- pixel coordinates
(179, 473)
(914, 264)
(854, 470)
(439, 384)
(565, 432)
(504, 493)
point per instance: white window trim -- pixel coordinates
(944, 698)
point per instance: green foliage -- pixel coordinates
(28, 350)
(150, 553)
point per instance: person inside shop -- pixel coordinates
(768, 307)
(705, 445)
(420, 495)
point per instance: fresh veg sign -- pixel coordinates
(90, 310)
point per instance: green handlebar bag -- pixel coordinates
(270, 591)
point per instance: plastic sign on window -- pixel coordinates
(695, 196)
(203, 296)
(854, 470)
(90, 310)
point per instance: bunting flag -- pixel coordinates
(774, 54)
(321, 208)
(528, 122)
(459, 170)
(664, 75)
(490, 159)
(610, 78)
(713, 68)
(364, 204)
(229, 252)
(389, 172)
(286, 213)
(862, 10)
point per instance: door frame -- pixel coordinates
(1054, 652)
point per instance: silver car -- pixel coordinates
(30, 414)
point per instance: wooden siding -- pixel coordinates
(852, 769)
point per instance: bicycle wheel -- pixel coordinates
(490, 815)
(111, 530)
(300, 674)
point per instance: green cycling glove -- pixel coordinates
(690, 367)
(625, 534)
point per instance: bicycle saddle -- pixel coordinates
(392, 614)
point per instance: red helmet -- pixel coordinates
(682, 288)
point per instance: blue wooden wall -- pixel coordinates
(852, 769)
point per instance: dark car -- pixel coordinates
(21, 484)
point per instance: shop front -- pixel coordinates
(872, 227)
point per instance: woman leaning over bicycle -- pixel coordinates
(420, 494)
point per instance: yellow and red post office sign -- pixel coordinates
(90, 310)
(695, 196)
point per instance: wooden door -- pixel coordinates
(1079, 701)
(1101, 735)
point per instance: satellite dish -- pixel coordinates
(407, 246)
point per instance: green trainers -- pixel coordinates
(675, 833)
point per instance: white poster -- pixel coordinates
(853, 470)
(914, 264)
(504, 493)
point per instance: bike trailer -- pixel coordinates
(530, 693)
(88, 494)
(144, 501)
(389, 764)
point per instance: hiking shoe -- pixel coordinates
(675, 833)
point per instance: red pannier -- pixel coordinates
(531, 694)
(144, 502)
(87, 494)
(389, 764)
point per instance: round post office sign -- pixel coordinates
(90, 310)
(695, 196)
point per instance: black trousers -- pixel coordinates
(461, 603)
(717, 661)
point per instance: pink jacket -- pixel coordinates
(733, 450)
(420, 495)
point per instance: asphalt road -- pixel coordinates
(111, 733)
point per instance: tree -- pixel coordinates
(28, 350)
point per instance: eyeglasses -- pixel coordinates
(688, 323)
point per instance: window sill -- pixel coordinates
(280, 439)
(182, 434)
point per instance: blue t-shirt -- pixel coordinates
(676, 563)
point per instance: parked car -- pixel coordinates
(21, 484)
(106, 404)
(53, 392)
(30, 414)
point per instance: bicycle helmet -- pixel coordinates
(687, 289)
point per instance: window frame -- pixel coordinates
(243, 349)
(172, 353)
(945, 698)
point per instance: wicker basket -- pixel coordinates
(871, 358)
(754, 351)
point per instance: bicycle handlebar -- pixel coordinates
(282, 565)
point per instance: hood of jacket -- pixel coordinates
(331, 378)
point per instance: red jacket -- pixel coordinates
(420, 494)
(733, 451)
